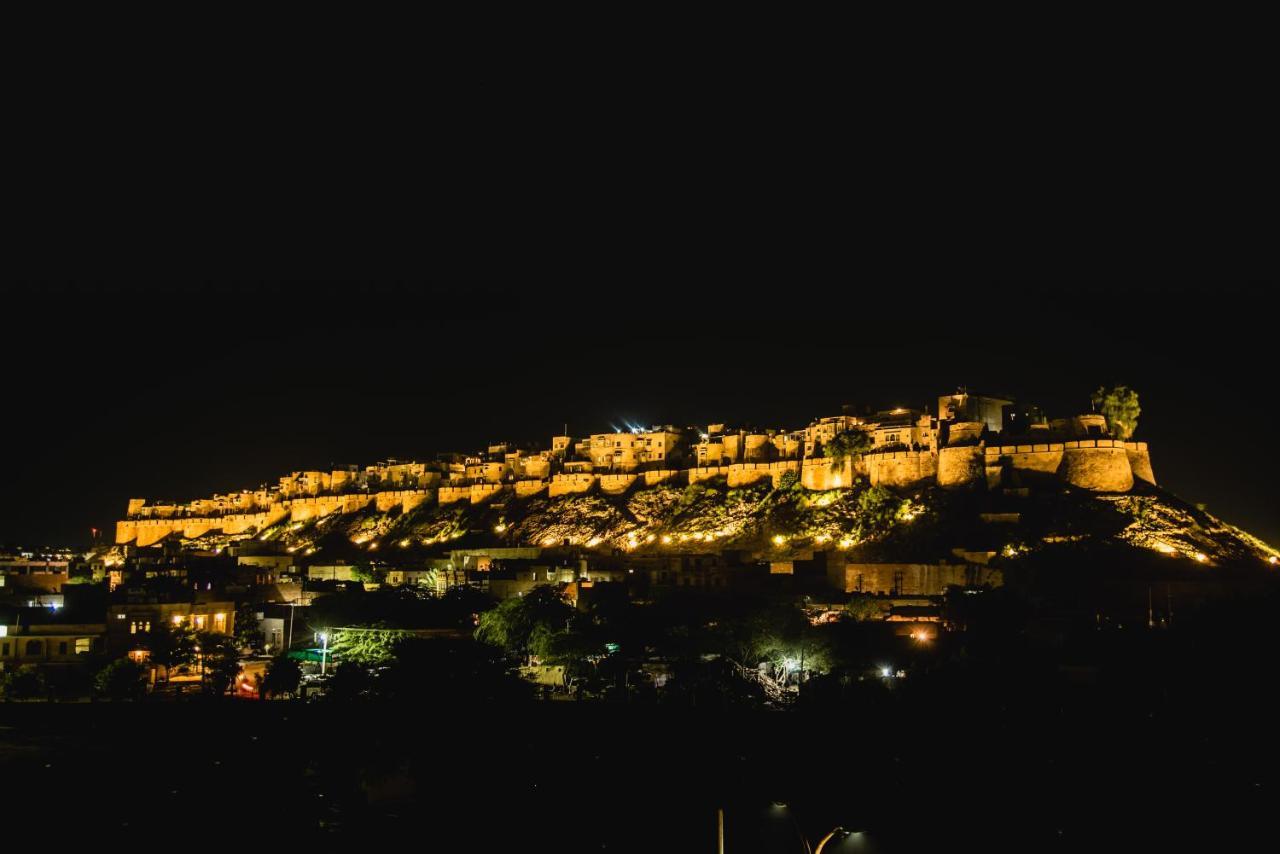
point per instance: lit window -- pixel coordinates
(84, 646)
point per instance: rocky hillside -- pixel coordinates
(869, 523)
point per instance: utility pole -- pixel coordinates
(720, 830)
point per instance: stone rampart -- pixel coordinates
(567, 484)
(1100, 465)
(900, 468)
(482, 492)
(961, 466)
(822, 474)
(528, 488)
(452, 494)
(1140, 461)
(616, 484)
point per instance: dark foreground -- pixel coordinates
(1070, 772)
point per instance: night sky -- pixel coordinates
(177, 391)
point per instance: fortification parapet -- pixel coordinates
(1140, 461)
(566, 484)
(961, 466)
(900, 468)
(1100, 466)
(529, 488)
(821, 474)
(616, 484)
(452, 494)
(482, 492)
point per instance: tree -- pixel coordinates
(511, 624)
(862, 608)
(24, 683)
(878, 509)
(248, 629)
(850, 443)
(1120, 405)
(367, 646)
(122, 679)
(283, 676)
(171, 645)
(220, 661)
(349, 681)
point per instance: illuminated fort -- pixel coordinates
(971, 441)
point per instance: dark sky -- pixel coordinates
(180, 391)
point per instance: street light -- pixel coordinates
(324, 651)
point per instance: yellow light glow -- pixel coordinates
(779, 539)
(373, 547)
(1201, 557)
(404, 544)
(846, 543)
(593, 542)
(499, 528)
(1273, 560)
(1165, 548)
(666, 538)
(650, 538)
(548, 541)
(177, 619)
(822, 538)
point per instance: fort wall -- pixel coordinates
(961, 466)
(529, 488)
(616, 484)
(900, 468)
(1140, 461)
(567, 484)
(653, 478)
(482, 492)
(910, 579)
(823, 474)
(1099, 465)
(452, 494)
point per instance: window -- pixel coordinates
(84, 646)
(4, 650)
(200, 620)
(62, 648)
(33, 647)
(220, 623)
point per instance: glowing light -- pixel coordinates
(666, 539)
(1273, 560)
(921, 636)
(499, 528)
(791, 664)
(404, 544)
(1165, 548)
(1201, 557)
(593, 542)
(846, 543)
(650, 538)
(886, 672)
(822, 538)
(548, 541)
(373, 547)
(779, 539)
